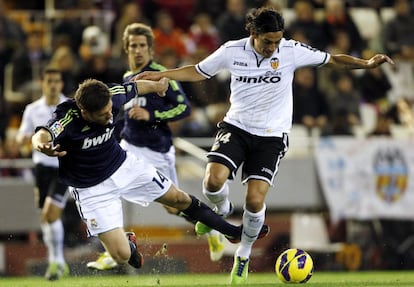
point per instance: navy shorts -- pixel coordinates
(260, 156)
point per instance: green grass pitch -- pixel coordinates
(319, 279)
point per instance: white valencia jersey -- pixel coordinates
(38, 113)
(261, 88)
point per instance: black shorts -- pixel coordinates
(48, 184)
(260, 155)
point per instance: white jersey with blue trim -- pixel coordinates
(261, 88)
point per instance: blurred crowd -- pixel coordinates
(83, 38)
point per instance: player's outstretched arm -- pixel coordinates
(183, 74)
(42, 141)
(153, 86)
(350, 62)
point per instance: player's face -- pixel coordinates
(102, 117)
(139, 53)
(265, 44)
(52, 84)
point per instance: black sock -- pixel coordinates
(201, 212)
(135, 260)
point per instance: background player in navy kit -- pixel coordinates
(145, 131)
(254, 130)
(100, 173)
(50, 193)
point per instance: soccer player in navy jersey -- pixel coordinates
(145, 130)
(144, 125)
(255, 128)
(99, 172)
(146, 117)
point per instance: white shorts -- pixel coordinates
(137, 181)
(164, 162)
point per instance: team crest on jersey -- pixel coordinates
(56, 129)
(94, 223)
(274, 63)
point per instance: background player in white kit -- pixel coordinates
(255, 128)
(50, 193)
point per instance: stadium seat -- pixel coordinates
(300, 142)
(367, 22)
(289, 15)
(309, 232)
(387, 14)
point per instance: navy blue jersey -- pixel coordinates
(155, 133)
(93, 153)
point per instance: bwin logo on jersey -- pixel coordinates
(91, 142)
(258, 80)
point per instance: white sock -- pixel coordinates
(219, 198)
(252, 224)
(53, 236)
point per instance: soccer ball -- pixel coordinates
(294, 266)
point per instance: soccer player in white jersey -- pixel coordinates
(100, 173)
(50, 193)
(256, 126)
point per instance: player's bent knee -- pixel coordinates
(215, 177)
(176, 198)
(50, 217)
(254, 205)
(214, 182)
(50, 211)
(182, 200)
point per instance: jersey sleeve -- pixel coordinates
(178, 105)
(214, 63)
(61, 117)
(306, 55)
(26, 126)
(122, 93)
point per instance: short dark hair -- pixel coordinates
(264, 20)
(50, 70)
(92, 95)
(137, 29)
